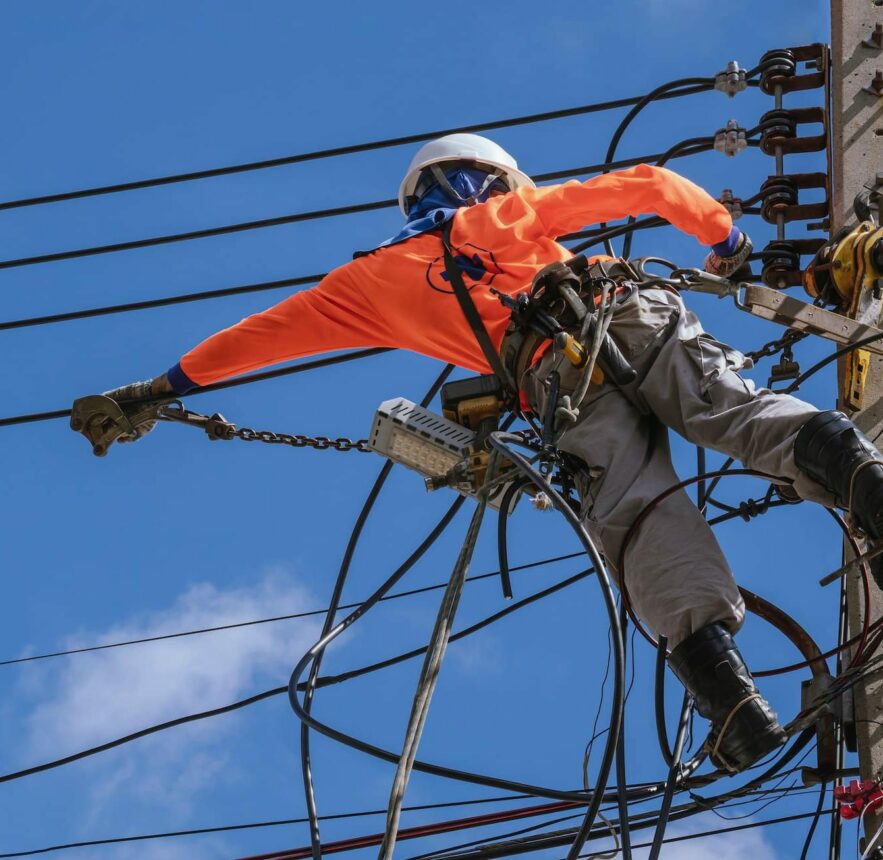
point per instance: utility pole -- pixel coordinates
(857, 127)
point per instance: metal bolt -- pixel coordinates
(731, 80)
(876, 85)
(875, 40)
(731, 140)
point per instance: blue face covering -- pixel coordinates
(437, 206)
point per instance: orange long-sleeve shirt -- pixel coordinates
(399, 296)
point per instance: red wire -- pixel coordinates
(423, 830)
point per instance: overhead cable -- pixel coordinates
(248, 378)
(395, 596)
(332, 152)
(333, 606)
(25, 322)
(279, 220)
(275, 691)
(251, 825)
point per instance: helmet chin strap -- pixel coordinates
(442, 180)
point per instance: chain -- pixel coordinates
(298, 440)
(790, 337)
(217, 427)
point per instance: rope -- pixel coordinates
(716, 748)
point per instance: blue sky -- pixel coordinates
(175, 533)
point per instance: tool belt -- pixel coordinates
(561, 297)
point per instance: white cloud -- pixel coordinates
(85, 700)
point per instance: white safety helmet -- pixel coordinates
(462, 147)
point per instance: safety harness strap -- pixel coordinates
(471, 313)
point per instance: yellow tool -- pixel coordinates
(848, 272)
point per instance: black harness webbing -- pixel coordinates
(472, 315)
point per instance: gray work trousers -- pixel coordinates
(676, 575)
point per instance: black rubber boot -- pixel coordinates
(831, 450)
(744, 726)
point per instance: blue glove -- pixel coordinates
(727, 257)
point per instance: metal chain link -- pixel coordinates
(217, 427)
(790, 337)
(298, 440)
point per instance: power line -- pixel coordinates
(257, 825)
(297, 217)
(339, 150)
(150, 730)
(303, 280)
(412, 592)
(251, 825)
(303, 366)
(595, 236)
(262, 286)
(275, 691)
(600, 832)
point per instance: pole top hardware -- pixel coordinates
(730, 140)
(731, 80)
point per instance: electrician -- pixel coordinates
(503, 233)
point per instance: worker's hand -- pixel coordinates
(727, 257)
(142, 415)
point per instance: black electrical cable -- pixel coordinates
(277, 221)
(227, 828)
(476, 778)
(247, 379)
(621, 774)
(702, 83)
(159, 727)
(659, 699)
(336, 595)
(263, 286)
(474, 843)
(673, 777)
(502, 526)
(251, 825)
(697, 144)
(823, 789)
(246, 289)
(328, 680)
(330, 153)
(426, 767)
(597, 237)
(819, 365)
(561, 838)
(127, 307)
(836, 829)
(688, 836)
(322, 681)
(603, 831)
(355, 534)
(498, 442)
(395, 596)
(421, 550)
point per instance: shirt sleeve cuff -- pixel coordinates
(181, 383)
(728, 247)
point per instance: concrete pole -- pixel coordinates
(857, 126)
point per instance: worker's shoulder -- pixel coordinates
(498, 213)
